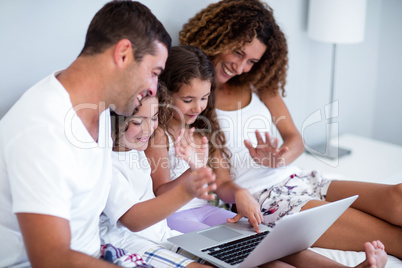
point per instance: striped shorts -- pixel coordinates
(121, 258)
(159, 256)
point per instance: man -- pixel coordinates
(55, 169)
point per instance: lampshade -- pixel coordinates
(337, 21)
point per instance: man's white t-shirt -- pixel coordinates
(132, 177)
(49, 164)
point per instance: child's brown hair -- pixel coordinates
(119, 123)
(184, 64)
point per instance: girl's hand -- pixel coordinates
(201, 183)
(248, 207)
(267, 153)
(196, 155)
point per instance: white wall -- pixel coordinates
(355, 80)
(388, 107)
(38, 37)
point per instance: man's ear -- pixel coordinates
(123, 52)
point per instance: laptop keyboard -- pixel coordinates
(236, 251)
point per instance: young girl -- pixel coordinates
(249, 52)
(132, 179)
(189, 77)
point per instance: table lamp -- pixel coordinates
(335, 22)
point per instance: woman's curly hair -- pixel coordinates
(227, 26)
(184, 64)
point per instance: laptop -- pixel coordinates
(238, 245)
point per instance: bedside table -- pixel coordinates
(370, 160)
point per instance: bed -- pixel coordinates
(360, 166)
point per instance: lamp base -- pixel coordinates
(322, 150)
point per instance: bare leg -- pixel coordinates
(198, 265)
(277, 264)
(308, 258)
(273, 264)
(376, 257)
(380, 200)
(354, 227)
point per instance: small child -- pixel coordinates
(132, 174)
(190, 80)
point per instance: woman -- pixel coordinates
(187, 139)
(249, 53)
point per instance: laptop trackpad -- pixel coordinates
(220, 233)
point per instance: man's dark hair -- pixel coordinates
(125, 19)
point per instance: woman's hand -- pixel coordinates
(267, 153)
(196, 155)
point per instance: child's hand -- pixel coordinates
(247, 206)
(267, 153)
(201, 183)
(194, 154)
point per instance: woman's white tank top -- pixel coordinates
(240, 125)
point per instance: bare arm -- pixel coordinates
(230, 192)
(144, 214)
(171, 195)
(47, 241)
(284, 122)
(196, 147)
(292, 146)
(158, 157)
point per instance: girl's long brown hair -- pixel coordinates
(184, 64)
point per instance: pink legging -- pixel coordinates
(198, 218)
